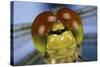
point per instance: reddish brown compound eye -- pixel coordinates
(71, 20)
(42, 23)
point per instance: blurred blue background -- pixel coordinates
(24, 13)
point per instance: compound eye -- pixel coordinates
(72, 21)
(68, 17)
(42, 23)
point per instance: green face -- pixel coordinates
(60, 47)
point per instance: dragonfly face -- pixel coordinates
(58, 35)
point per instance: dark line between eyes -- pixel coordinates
(58, 32)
